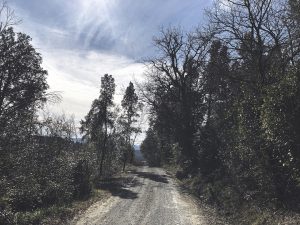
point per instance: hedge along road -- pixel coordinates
(150, 197)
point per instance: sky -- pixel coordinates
(81, 40)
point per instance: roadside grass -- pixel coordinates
(222, 201)
(59, 214)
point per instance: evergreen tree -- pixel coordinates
(130, 107)
(100, 119)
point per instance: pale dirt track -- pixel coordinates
(149, 198)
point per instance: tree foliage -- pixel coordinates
(128, 119)
(23, 81)
(100, 119)
(227, 101)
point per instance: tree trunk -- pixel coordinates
(124, 161)
(104, 148)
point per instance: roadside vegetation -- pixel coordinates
(224, 109)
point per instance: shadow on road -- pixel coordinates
(119, 187)
(152, 176)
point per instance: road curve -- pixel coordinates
(149, 198)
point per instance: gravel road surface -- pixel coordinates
(150, 197)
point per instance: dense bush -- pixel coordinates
(82, 179)
(44, 170)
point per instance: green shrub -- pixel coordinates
(25, 193)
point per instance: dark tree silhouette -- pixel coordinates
(175, 84)
(22, 79)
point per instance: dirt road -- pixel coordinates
(150, 197)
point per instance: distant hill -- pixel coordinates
(137, 147)
(138, 154)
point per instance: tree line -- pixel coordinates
(224, 103)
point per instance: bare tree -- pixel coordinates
(258, 29)
(174, 82)
(7, 17)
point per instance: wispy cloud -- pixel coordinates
(121, 26)
(80, 40)
(77, 76)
